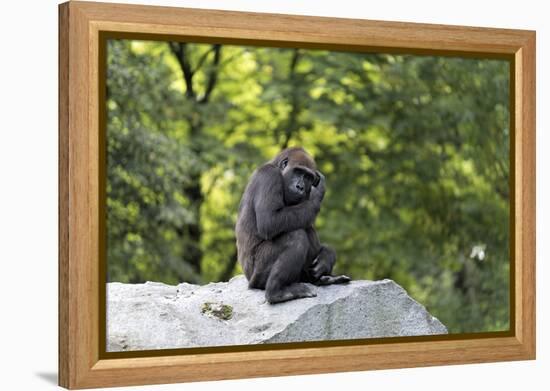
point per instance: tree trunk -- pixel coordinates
(192, 232)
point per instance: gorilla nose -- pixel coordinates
(300, 187)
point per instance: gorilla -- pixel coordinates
(277, 246)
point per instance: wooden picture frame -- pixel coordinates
(82, 364)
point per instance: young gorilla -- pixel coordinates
(277, 245)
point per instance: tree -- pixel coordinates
(192, 190)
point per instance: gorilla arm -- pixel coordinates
(272, 216)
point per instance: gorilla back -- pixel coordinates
(277, 246)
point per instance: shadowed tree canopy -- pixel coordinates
(415, 150)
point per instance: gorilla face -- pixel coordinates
(298, 180)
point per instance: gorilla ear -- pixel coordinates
(317, 179)
(283, 163)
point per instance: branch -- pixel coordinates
(293, 63)
(227, 60)
(291, 124)
(178, 48)
(213, 74)
(202, 59)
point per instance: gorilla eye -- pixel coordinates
(284, 163)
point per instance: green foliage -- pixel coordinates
(415, 150)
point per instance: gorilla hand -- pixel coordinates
(318, 190)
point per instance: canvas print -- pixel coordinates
(261, 195)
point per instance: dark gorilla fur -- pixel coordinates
(277, 246)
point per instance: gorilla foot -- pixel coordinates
(291, 292)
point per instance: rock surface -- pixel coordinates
(158, 316)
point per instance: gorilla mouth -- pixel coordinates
(293, 197)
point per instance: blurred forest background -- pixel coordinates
(415, 150)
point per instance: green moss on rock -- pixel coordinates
(217, 310)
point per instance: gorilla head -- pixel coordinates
(299, 174)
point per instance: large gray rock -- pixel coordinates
(158, 316)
